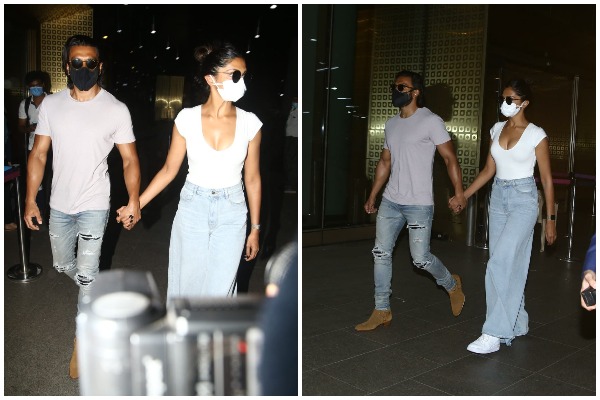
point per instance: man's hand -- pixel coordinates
(32, 211)
(370, 206)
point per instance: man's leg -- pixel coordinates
(91, 226)
(419, 220)
(63, 239)
(389, 223)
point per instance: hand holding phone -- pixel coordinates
(589, 296)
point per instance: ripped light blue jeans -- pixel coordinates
(513, 214)
(391, 218)
(76, 240)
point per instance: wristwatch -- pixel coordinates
(255, 226)
(552, 217)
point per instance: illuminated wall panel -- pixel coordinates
(54, 33)
(446, 44)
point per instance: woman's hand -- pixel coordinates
(550, 231)
(252, 245)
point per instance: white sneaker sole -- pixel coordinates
(475, 349)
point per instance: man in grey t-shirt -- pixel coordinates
(411, 138)
(83, 123)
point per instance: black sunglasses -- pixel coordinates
(237, 75)
(400, 87)
(508, 99)
(90, 63)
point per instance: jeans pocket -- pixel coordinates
(237, 198)
(186, 193)
(524, 188)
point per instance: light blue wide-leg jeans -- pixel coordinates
(207, 241)
(83, 231)
(513, 213)
(391, 218)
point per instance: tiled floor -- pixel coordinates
(39, 316)
(423, 351)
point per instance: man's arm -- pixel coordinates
(382, 173)
(35, 172)
(446, 150)
(131, 173)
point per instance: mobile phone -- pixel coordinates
(589, 296)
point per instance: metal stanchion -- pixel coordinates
(569, 258)
(471, 221)
(25, 271)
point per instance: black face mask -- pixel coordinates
(84, 79)
(401, 99)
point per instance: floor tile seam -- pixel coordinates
(406, 380)
(562, 381)
(541, 371)
(575, 348)
(341, 381)
(513, 384)
(504, 363)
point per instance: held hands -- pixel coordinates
(129, 215)
(457, 203)
(252, 245)
(589, 279)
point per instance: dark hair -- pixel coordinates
(35, 76)
(78, 40)
(417, 83)
(210, 58)
(521, 88)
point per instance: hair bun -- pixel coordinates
(201, 52)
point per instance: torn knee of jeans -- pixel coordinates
(88, 236)
(88, 252)
(415, 225)
(65, 267)
(83, 279)
(53, 235)
(421, 264)
(379, 253)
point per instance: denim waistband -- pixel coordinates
(225, 192)
(515, 182)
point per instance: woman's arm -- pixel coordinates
(164, 176)
(542, 154)
(252, 183)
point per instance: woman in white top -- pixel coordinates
(515, 146)
(221, 140)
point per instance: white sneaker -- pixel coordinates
(485, 344)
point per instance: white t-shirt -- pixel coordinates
(83, 133)
(518, 161)
(210, 168)
(412, 143)
(33, 118)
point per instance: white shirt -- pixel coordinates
(210, 168)
(518, 161)
(33, 118)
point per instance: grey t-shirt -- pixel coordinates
(411, 142)
(83, 134)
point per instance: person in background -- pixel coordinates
(516, 146)
(35, 82)
(589, 271)
(406, 164)
(9, 205)
(75, 122)
(220, 139)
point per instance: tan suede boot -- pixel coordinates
(378, 317)
(457, 297)
(73, 369)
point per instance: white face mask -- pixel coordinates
(509, 110)
(231, 91)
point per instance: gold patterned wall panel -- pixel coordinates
(54, 33)
(446, 44)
